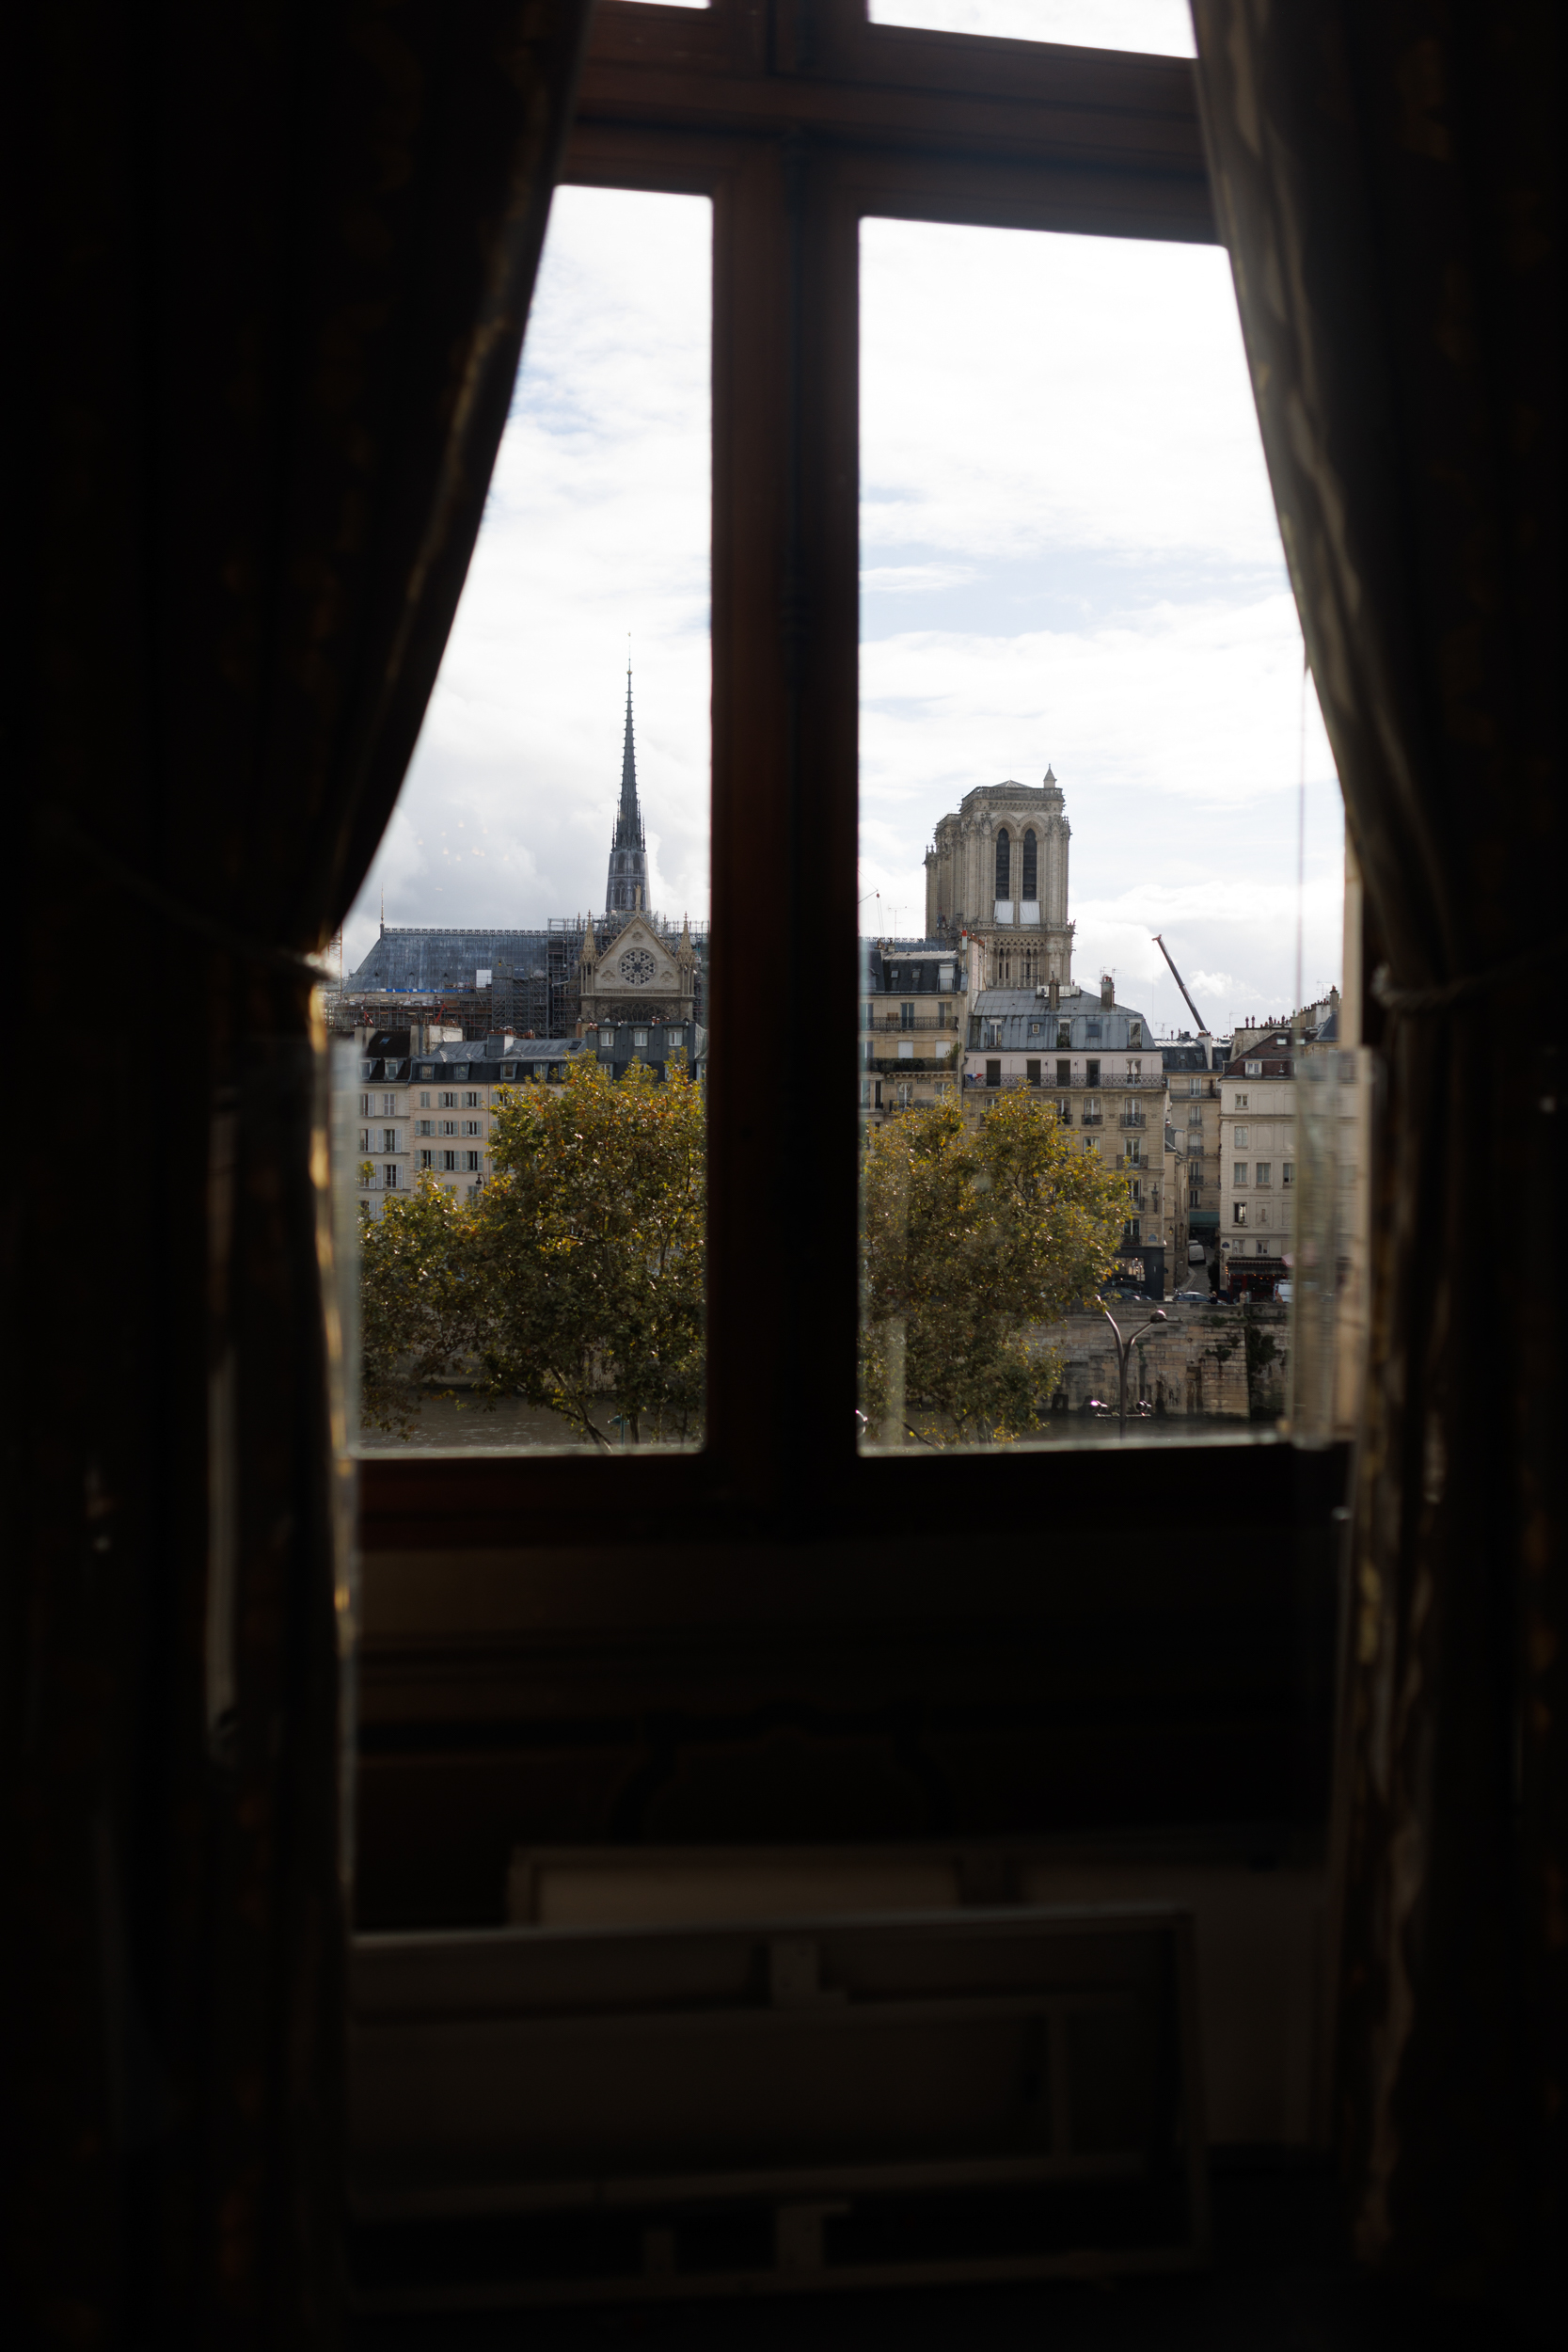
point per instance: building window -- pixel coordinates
(906, 1016)
(1091, 1031)
(1238, 1213)
(1031, 869)
(367, 1069)
(876, 1095)
(424, 1126)
(471, 1161)
(427, 1159)
(1238, 1173)
(509, 1070)
(1241, 1103)
(1287, 1171)
(427, 1070)
(1135, 1229)
(446, 1126)
(1239, 1138)
(1004, 872)
(1134, 1033)
(460, 1069)
(1091, 1073)
(425, 1102)
(473, 1126)
(449, 1159)
(389, 1177)
(640, 1037)
(364, 1139)
(1195, 1086)
(1064, 1073)
(389, 1105)
(865, 1094)
(1195, 1116)
(470, 1101)
(994, 1073)
(447, 1102)
(389, 1138)
(1253, 1069)
(365, 1102)
(1032, 1072)
(1263, 1173)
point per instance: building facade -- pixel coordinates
(1097, 1063)
(1258, 1145)
(912, 1024)
(996, 873)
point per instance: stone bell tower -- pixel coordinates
(997, 872)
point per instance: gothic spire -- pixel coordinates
(627, 885)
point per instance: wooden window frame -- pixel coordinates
(798, 118)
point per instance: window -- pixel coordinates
(994, 1073)
(470, 1101)
(425, 1102)
(1032, 1072)
(1064, 1035)
(1253, 1069)
(1288, 1171)
(1091, 1030)
(1240, 1102)
(1003, 873)
(509, 1070)
(424, 1126)
(1064, 1073)
(1194, 1117)
(460, 1069)
(1135, 1229)
(448, 1160)
(1238, 1212)
(1195, 1086)
(427, 1070)
(447, 1102)
(906, 1016)
(1134, 1033)
(427, 1159)
(1239, 1138)
(1091, 1109)
(471, 1161)
(389, 1138)
(446, 1126)
(367, 1104)
(640, 1037)
(1238, 1173)
(1263, 1173)
(389, 1176)
(1091, 1073)
(367, 1069)
(1029, 891)
(364, 1139)
(389, 1105)
(473, 1126)
(865, 1094)
(1135, 1150)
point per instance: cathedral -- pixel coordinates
(572, 973)
(996, 874)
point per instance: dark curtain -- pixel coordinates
(1386, 175)
(269, 269)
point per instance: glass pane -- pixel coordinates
(1084, 730)
(525, 970)
(1158, 28)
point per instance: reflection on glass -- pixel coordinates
(524, 978)
(1158, 28)
(1085, 755)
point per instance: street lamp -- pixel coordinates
(1122, 1346)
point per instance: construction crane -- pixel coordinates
(1203, 1025)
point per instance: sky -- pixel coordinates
(1068, 557)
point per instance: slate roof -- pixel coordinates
(437, 959)
(1027, 1020)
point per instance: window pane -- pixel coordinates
(540, 899)
(1083, 722)
(1158, 28)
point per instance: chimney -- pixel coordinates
(1055, 993)
(1107, 991)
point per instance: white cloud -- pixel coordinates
(1155, 26)
(1070, 557)
(596, 525)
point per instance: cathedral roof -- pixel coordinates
(434, 959)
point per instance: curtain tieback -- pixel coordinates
(189, 918)
(1447, 993)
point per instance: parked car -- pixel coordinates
(1196, 1298)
